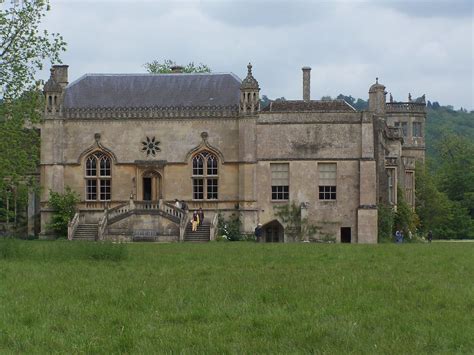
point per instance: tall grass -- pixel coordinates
(239, 298)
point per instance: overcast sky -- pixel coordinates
(416, 46)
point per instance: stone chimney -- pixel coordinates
(177, 69)
(306, 83)
(60, 74)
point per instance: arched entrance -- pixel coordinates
(273, 232)
(151, 186)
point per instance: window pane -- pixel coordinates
(105, 166)
(280, 174)
(405, 129)
(211, 165)
(198, 165)
(327, 192)
(105, 190)
(327, 174)
(280, 193)
(91, 189)
(198, 189)
(417, 129)
(212, 189)
(91, 166)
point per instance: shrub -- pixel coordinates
(64, 206)
(386, 217)
(229, 227)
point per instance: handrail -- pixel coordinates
(182, 226)
(72, 226)
(213, 230)
(102, 225)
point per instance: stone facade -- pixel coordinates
(148, 135)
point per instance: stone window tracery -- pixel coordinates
(98, 177)
(205, 176)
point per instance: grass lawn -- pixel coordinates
(237, 298)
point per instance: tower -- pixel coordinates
(377, 98)
(249, 94)
(54, 87)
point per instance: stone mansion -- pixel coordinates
(130, 144)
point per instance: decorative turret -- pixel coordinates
(249, 94)
(54, 88)
(377, 97)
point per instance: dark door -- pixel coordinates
(345, 235)
(146, 189)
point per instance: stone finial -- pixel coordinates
(409, 97)
(391, 97)
(423, 98)
(377, 80)
(249, 82)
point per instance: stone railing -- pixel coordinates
(72, 226)
(417, 107)
(152, 112)
(119, 210)
(102, 225)
(182, 226)
(214, 229)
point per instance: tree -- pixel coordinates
(446, 218)
(156, 67)
(23, 49)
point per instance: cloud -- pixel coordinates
(431, 8)
(347, 44)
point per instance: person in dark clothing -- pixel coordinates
(258, 232)
(184, 206)
(430, 236)
(201, 216)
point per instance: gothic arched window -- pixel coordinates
(205, 176)
(98, 177)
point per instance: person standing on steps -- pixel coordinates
(195, 221)
(201, 216)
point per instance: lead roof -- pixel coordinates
(153, 90)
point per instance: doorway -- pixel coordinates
(273, 232)
(345, 234)
(147, 190)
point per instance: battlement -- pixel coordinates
(403, 107)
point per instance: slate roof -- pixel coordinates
(153, 90)
(313, 106)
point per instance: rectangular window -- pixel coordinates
(417, 132)
(212, 189)
(198, 189)
(280, 181)
(91, 190)
(327, 181)
(409, 187)
(391, 185)
(405, 129)
(105, 190)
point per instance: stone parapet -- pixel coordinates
(403, 107)
(151, 112)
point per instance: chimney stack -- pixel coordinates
(306, 83)
(60, 75)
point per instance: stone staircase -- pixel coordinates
(201, 235)
(86, 231)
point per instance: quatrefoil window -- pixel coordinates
(150, 146)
